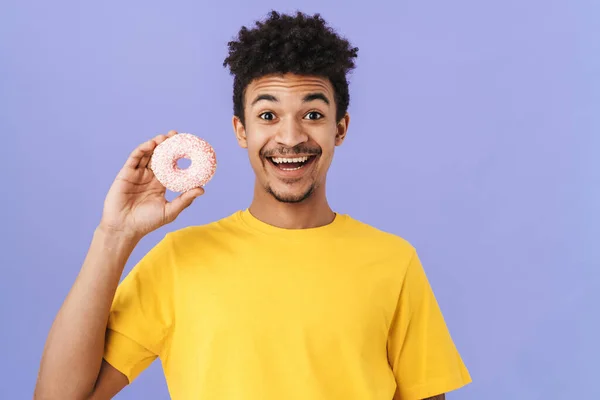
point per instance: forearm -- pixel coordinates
(73, 353)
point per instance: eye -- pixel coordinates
(314, 115)
(268, 116)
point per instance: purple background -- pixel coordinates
(478, 122)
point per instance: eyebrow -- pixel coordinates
(308, 98)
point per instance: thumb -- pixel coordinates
(181, 202)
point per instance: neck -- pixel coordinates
(310, 213)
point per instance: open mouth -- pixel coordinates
(291, 163)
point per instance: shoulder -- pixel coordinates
(223, 226)
(363, 230)
(193, 239)
(381, 241)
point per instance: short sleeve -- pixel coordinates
(422, 354)
(141, 315)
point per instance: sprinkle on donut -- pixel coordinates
(183, 145)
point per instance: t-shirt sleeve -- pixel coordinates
(422, 354)
(141, 315)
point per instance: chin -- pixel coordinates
(291, 197)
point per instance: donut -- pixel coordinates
(163, 162)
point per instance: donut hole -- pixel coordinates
(183, 163)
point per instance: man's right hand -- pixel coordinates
(135, 204)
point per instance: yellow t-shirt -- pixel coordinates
(241, 310)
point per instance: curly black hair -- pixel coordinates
(298, 44)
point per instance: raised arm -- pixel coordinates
(72, 365)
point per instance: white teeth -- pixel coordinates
(279, 160)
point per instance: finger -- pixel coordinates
(161, 138)
(181, 202)
(145, 160)
(139, 153)
(140, 157)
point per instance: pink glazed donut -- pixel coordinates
(183, 145)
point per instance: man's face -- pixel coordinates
(290, 133)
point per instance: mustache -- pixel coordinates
(286, 151)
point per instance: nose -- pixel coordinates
(291, 133)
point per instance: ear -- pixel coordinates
(240, 132)
(342, 129)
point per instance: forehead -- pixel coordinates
(289, 84)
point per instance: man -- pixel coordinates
(284, 300)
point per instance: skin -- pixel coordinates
(283, 124)
(279, 121)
